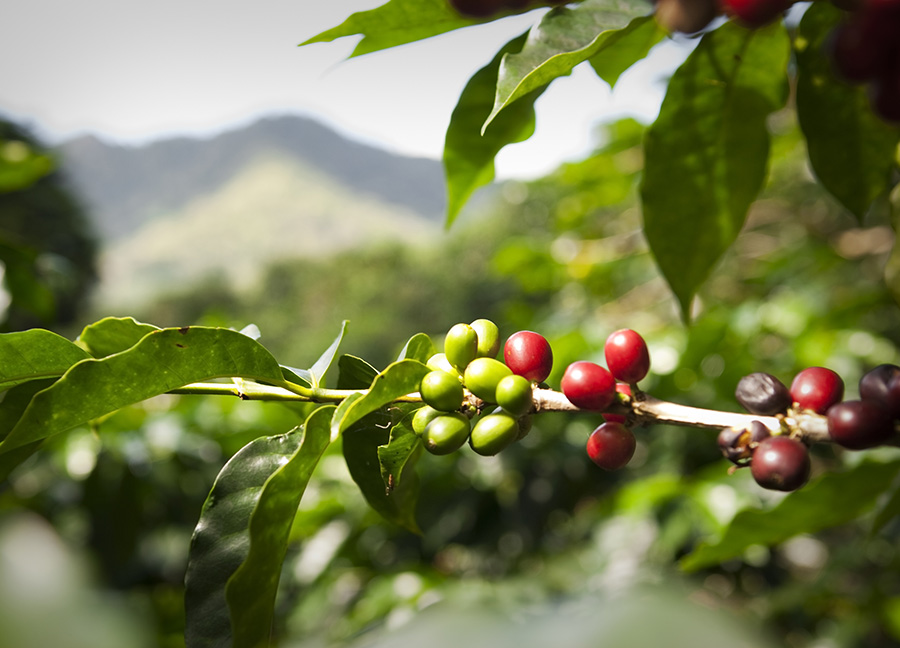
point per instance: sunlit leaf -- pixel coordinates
(631, 45)
(563, 39)
(250, 592)
(355, 373)
(468, 153)
(163, 360)
(33, 354)
(418, 347)
(320, 369)
(21, 166)
(706, 155)
(852, 152)
(832, 499)
(112, 335)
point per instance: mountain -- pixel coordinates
(174, 212)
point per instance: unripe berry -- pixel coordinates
(461, 346)
(439, 362)
(780, 463)
(441, 391)
(588, 385)
(860, 424)
(423, 416)
(515, 394)
(817, 389)
(493, 432)
(488, 338)
(446, 433)
(627, 356)
(528, 354)
(611, 446)
(762, 393)
(482, 377)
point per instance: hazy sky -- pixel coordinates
(133, 71)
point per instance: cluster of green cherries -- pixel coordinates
(471, 396)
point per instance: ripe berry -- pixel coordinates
(446, 433)
(882, 384)
(817, 389)
(755, 13)
(588, 385)
(780, 463)
(477, 8)
(762, 393)
(528, 354)
(860, 424)
(737, 443)
(621, 388)
(611, 446)
(482, 377)
(627, 356)
(441, 391)
(492, 433)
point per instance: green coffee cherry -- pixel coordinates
(488, 338)
(442, 391)
(482, 376)
(461, 346)
(493, 432)
(423, 416)
(439, 362)
(446, 433)
(515, 394)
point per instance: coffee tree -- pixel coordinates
(704, 163)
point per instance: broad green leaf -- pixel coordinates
(163, 360)
(852, 152)
(251, 591)
(706, 155)
(33, 354)
(355, 373)
(633, 44)
(834, 498)
(21, 166)
(399, 379)
(468, 153)
(320, 369)
(562, 40)
(418, 347)
(12, 405)
(361, 444)
(403, 446)
(394, 23)
(112, 335)
(221, 539)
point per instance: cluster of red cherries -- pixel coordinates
(781, 461)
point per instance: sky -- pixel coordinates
(136, 71)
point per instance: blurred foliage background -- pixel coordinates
(531, 547)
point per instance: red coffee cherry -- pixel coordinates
(477, 8)
(762, 393)
(627, 356)
(860, 424)
(528, 354)
(817, 389)
(588, 385)
(611, 446)
(621, 388)
(755, 13)
(882, 384)
(780, 463)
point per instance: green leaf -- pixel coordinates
(631, 45)
(251, 591)
(33, 354)
(563, 39)
(706, 155)
(221, 539)
(834, 498)
(12, 405)
(320, 369)
(361, 443)
(402, 450)
(850, 149)
(469, 154)
(162, 361)
(113, 335)
(21, 166)
(418, 347)
(399, 379)
(355, 373)
(394, 23)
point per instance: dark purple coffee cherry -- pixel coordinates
(737, 443)
(762, 393)
(882, 384)
(860, 424)
(780, 463)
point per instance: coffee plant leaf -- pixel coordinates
(402, 450)
(419, 347)
(706, 155)
(113, 335)
(12, 405)
(355, 373)
(319, 370)
(34, 354)
(629, 46)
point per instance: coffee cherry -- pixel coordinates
(780, 463)
(737, 443)
(860, 424)
(611, 446)
(755, 13)
(461, 346)
(477, 8)
(423, 416)
(482, 377)
(609, 417)
(627, 356)
(441, 391)
(493, 432)
(528, 354)
(488, 338)
(817, 389)
(515, 394)
(588, 385)
(439, 362)
(685, 16)
(762, 393)
(446, 433)
(882, 384)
